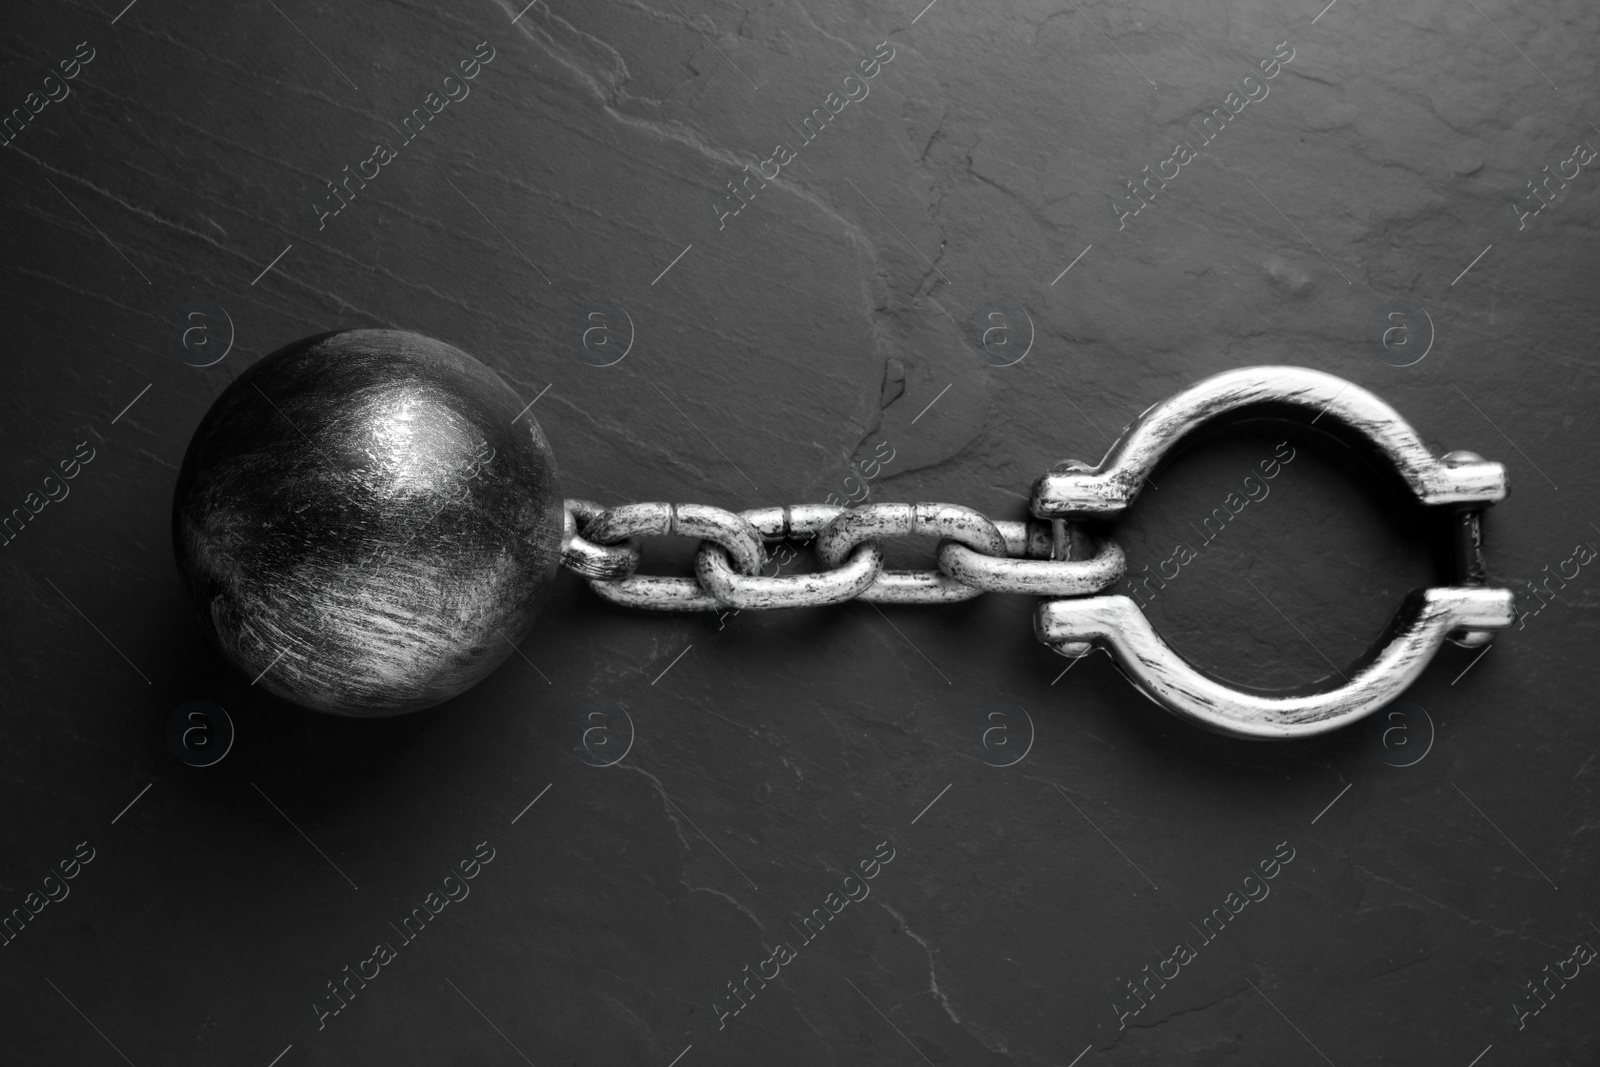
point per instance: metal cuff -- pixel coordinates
(1158, 672)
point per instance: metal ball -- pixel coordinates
(366, 521)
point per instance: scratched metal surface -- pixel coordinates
(346, 533)
(623, 209)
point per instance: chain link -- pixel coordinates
(874, 521)
(845, 580)
(726, 531)
(605, 562)
(975, 555)
(1032, 577)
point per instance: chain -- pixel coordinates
(1053, 557)
(975, 555)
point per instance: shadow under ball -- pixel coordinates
(364, 521)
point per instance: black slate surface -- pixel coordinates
(168, 221)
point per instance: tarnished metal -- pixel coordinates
(1055, 555)
(657, 592)
(833, 586)
(1105, 491)
(364, 524)
(582, 556)
(1034, 577)
(874, 521)
(1166, 678)
(1463, 612)
(740, 541)
(808, 520)
(797, 522)
(759, 592)
(367, 520)
(849, 572)
(1025, 540)
(1467, 563)
(726, 528)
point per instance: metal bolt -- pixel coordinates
(1062, 548)
(1470, 567)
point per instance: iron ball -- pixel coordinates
(366, 521)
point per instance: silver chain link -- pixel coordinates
(975, 555)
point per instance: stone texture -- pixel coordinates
(778, 752)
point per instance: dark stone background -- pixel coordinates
(590, 153)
